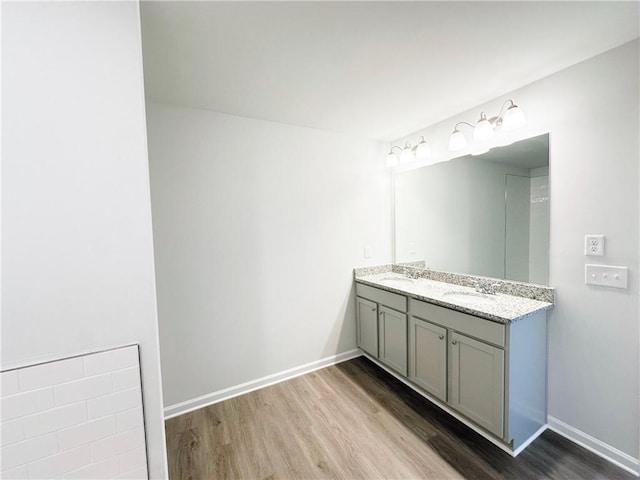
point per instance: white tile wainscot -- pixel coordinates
(78, 417)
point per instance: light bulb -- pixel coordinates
(406, 155)
(513, 118)
(483, 130)
(457, 141)
(423, 150)
(392, 160)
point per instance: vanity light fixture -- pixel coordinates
(483, 130)
(457, 140)
(513, 118)
(392, 158)
(486, 127)
(423, 150)
(408, 153)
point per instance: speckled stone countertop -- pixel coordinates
(501, 308)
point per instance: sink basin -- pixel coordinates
(468, 297)
(396, 281)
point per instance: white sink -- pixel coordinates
(474, 298)
(396, 281)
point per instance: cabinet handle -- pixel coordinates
(440, 337)
(373, 309)
(454, 342)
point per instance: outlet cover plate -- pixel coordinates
(606, 276)
(594, 245)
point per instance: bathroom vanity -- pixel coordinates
(481, 357)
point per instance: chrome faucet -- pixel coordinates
(411, 273)
(487, 288)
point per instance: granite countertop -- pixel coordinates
(499, 308)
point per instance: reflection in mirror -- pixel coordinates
(482, 215)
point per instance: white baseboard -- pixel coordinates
(615, 456)
(215, 397)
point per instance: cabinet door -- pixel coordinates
(392, 330)
(367, 326)
(476, 382)
(428, 357)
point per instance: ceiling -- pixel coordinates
(376, 69)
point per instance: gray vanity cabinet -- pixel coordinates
(476, 381)
(392, 339)
(428, 357)
(496, 373)
(491, 375)
(367, 325)
(389, 342)
(473, 350)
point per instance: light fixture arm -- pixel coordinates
(462, 123)
(501, 112)
(509, 117)
(497, 120)
(409, 152)
(420, 141)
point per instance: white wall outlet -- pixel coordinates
(605, 275)
(367, 252)
(594, 245)
(412, 248)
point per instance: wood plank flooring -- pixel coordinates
(355, 421)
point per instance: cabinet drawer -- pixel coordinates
(392, 300)
(486, 330)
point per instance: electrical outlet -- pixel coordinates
(594, 245)
(367, 252)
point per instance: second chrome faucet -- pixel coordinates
(487, 288)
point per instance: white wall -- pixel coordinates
(592, 113)
(77, 255)
(257, 229)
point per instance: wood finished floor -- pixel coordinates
(355, 421)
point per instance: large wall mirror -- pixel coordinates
(482, 215)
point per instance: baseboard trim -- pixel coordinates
(227, 393)
(613, 455)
